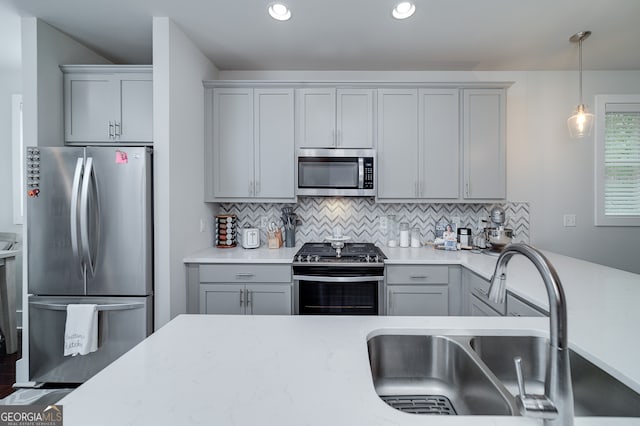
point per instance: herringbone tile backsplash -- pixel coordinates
(359, 218)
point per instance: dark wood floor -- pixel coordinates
(8, 368)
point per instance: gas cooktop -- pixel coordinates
(350, 253)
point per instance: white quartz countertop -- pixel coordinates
(602, 302)
(276, 370)
(314, 370)
(8, 253)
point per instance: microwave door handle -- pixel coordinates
(77, 176)
(360, 173)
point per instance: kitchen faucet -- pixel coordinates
(556, 405)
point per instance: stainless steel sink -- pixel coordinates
(411, 372)
(595, 392)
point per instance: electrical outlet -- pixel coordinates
(203, 225)
(384, 223)
(569, 220)
(264, 221)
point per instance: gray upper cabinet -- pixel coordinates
(334, 118)
(483, 134)
(397, 144)
(108, 103)
(418, 144)
(250, 144)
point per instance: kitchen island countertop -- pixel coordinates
(314, 370)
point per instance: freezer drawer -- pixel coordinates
(123, 322)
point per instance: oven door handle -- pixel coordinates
(337, 279)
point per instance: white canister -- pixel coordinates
(404, 234)
(415, 237)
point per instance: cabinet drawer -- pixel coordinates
(414, 274)
(243, 273)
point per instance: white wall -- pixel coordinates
(178, 70)
(553, 173)
(10, 84)
(43, 49)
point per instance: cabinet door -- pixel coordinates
(418, 300)
(397, 143)
(316, 118)
(354, 118)
(274, 143)
(89, 107)
(135, 107)
(233, 152)
(222, 299)
(484, 143)
(480, 309)
(269, 299)
(439, 143)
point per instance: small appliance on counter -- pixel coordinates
(226, 230)
(496, 235)
(250, 237)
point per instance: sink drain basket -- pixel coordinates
(421, 404)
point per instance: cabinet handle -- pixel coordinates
(257, 191)
(339, 138)
(485, 293)
(335, 141)
(244, 275)
(249, 298)
(250, 188)
(241, 297)
(111, 131)
(514, 314)
(415, 188)
(118, 128)
(419, 277)
(468, 188)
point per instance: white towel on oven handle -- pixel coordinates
(81, 329)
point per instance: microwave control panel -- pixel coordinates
(368, 173)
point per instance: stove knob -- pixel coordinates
(308, 258)
(377, 258)
(316, 258)
(299, 258)
(368, 258)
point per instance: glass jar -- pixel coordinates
(416, 237)
(392, 231)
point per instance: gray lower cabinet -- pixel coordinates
(252, 299)
(239, 289)
(475, 298)
(425, 290)
(517, 307)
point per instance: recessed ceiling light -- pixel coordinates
(279, 11)
(403, 10)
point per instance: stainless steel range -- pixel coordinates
(348, 280)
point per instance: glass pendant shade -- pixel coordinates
(580, 123)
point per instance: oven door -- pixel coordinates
(343, 295)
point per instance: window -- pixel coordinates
(617, 160)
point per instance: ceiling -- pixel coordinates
(360, 34)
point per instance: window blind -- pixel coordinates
(622, 162)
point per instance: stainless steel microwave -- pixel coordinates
(336, 172)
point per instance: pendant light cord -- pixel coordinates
(580, 59)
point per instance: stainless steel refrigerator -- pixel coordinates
(90, 240)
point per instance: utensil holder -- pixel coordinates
(290, 237)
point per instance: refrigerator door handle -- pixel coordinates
(105, 307)
(88, 182)
(77, 176)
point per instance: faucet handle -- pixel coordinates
(537, 406)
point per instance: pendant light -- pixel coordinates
(581, 122)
